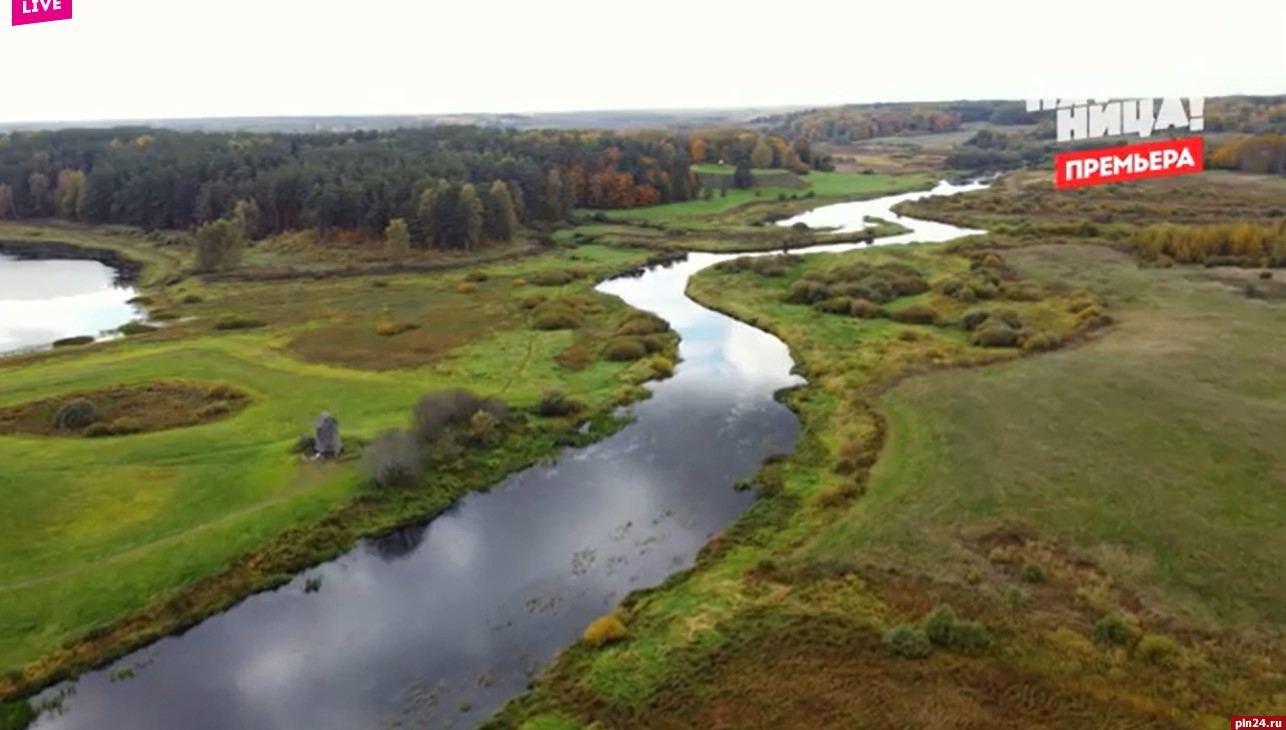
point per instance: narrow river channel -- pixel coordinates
(438, 626)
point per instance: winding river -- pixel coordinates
(439, 625)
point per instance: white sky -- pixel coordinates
(123, 59)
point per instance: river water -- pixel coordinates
(46, 300)
(439, 625)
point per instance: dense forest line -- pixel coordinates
(454, 186)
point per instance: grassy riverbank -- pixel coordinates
(109, 543)
(1099, 517)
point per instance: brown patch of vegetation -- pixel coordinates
(125, 409)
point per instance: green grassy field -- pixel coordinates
(1131, 475)
(826, 187)
(97, 529)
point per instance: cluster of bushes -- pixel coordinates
(878, 284)
(553, 277)
(605, 630)
(135, 328)
(773, 266)
(560, 314)
(239, 323)
(989, 277)
(943, 628)
(443, 425)
(640, 335)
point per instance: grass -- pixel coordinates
(106, 544)
(151, 407)
(1105, 467)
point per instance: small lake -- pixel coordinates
(439, 625)
(42, 300)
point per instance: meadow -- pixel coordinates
(115, 538)
(1077, 531)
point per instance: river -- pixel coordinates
(439, 625)
(47, 299)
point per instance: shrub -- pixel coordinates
(1043, 342)
(994, 334)
(905, 286)
(222, 391)
(865, 309)
(482, 427)
(305, 444)
(239, 323)
(908, 642)
(379, 284)
(476, 276)
(73, 341)
(624, 349)
(96, 430)
(970, 637)
(392, 460)
(937, 625)
(551, 278)
(125, 425)
(555, 315)
(390, 329)
(1112, 629)
(466, 288)
(1009, 317)
(806, 292)
(834, 305)
(73, 414)
(1156, 649)
(653, 343)
(605, 630)
(1033, 573)
(972, 320)
(1080, 304)
(915, 314)
(554, 403)
(662, 366)
(191, 299)
(1025, 292)
(643, 323)
(532, 301)
(212, 410)
(135, 328)
(519, 281)
(437, 412)
(1265, 274)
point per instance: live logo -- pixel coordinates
(40, 11)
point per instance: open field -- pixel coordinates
(106, 543)
(1102, 518)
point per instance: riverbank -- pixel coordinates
(175, 560)
(961, 547)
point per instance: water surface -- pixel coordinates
(437, 626)
(46, 300)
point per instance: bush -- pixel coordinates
(391, 329)
(125, 425)
(192, 299)
(972, 320)
(806, 292)
(908, 642)
(466, 288)
(1265, 274)
(305, 444)
(1112, 629)
(1009, 317)
(482, 427)
(97, 430)
(222, 391)
(73, 341)
(1025, 292)
(213, 410)
(834, 305)
(551, 278)
(915, 314)
(624, 349)
(239, 323)
(970, 637)
(1156, 649)
(135, 328)
(865, 309)
(1043, 342)
(643, 323)
(555, 315)
(554, 404)
(437, 412)
(605, 630)
(532, 301)
(73, 414)
(1033, 573)
(937, 625)
(662, 366)
(392, 460)
(476, 276)
(994, 334)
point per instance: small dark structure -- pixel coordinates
(326, 441)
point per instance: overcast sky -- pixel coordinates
(123, 59)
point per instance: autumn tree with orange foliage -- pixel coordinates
(1264, 154)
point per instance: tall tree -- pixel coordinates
(761, 156)
(218, 246)
(427, 215)
(38, 194)
(70, 194)
(246, 214)
(469, 208)
(397, 239)
(553, 195)
(499, 219)
(6, 202)
(742, 177)
(519, 201)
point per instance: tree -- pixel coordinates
(553, 195)
(519, 201)
(742, 177)
(761, 156)
(6, 202)
(70, 194)
(38, 192)
(218, 246)
(499, 219)
(397, 239)
(426, 213)
(246, 214)
(470, 215)
(697, 150)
